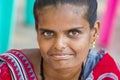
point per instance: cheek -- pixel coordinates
(45, 46)
(81, 47)
(81, 43)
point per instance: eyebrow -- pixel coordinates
(42, 29)
(75, 28)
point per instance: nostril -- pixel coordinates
(60, 46)
(60, 43)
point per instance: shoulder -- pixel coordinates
(105, 66)
(4, 71)
(28, 59)
(93, 58)
(34, 57)
(101, 58)
(32, 54)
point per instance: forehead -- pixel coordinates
(80, 9)
(63, 15)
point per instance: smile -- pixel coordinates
(61, 56)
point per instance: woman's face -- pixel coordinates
(64, 35)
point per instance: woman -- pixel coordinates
(65, 31)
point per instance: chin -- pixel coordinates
(60, 65)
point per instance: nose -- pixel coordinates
(60, 43)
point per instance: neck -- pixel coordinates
(72, 73)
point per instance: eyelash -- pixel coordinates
(74, 31)
(71, 34)
(48, 33)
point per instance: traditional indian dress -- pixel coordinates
(14, 65)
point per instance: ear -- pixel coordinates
(95, 31)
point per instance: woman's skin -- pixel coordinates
(64, 38)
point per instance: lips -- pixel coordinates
(61, 56)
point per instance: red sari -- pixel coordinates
(105, 69)
(16, 66)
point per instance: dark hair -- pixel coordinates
(91, 14)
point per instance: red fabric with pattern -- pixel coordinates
(106, 66)
(5, 72)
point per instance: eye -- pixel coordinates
(48, 34)
(74, 33)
